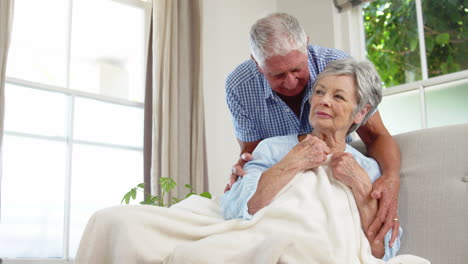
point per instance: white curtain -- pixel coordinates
(6, 21)
(178, 145)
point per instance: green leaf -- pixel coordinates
(133, 193)
(206, 195)
(444, 67)
(126, 197)
(188, 186)
(154, 199)
(429, 44)
(413, 44)
(167, 184)
(443, 38)
(141, 185)
(189, 194)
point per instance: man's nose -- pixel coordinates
(291, 81)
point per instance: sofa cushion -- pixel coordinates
(433, 200)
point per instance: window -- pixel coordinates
(73, 120)
(420, 48)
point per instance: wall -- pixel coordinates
(316, 17)
(225, 45)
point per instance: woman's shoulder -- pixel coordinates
(288, 139)
(276, 145)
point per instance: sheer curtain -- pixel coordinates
(6, 21)
(178, 138)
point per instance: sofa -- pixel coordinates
(433, 200)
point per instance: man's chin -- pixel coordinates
(290, 93)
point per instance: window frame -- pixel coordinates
(351, 21)
(72, 94)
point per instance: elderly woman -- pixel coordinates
(345, 95)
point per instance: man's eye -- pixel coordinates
(279, 76)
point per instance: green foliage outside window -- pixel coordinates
(392, 38)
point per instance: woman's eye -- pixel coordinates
(318, 91)
(339, 97)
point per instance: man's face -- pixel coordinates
(287, 75)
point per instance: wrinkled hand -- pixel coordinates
(346, 169)
(385, 189)
(310, 153)
(237, 170)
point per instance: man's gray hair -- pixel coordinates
(368, 84)
(276, 34)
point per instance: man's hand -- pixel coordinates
(385, 189)
(383, 148)
(237, 170)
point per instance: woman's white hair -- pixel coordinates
(276, 34)
(368, 84)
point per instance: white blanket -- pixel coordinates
(314, 219)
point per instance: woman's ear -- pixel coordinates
(361, 114)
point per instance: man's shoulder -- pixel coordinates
(244, 72)
(328, 54)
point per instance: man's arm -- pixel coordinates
(383, 148)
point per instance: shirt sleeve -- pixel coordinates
(391, 252)
(245, 127)
(234, 202)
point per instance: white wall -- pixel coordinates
(226, 25)
(315, 16)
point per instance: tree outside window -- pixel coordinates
(392, 39)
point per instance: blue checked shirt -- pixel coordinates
(259, 113)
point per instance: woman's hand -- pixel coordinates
(346, 169)
(310, 153)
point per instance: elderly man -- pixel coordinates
(268, 96)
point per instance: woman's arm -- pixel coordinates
(349, 172)
(309, 153)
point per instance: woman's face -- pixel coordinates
(333, 103)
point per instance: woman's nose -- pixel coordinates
(325, 100)
(291, 81)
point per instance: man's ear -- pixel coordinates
(256, 63)
(361, 114)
